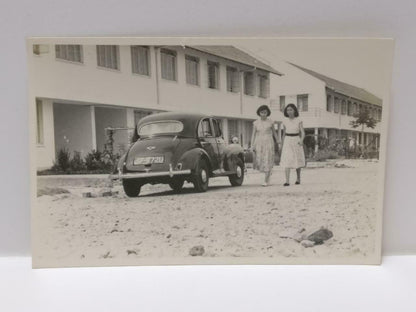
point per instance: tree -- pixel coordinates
(363, 119)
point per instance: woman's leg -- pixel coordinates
(287, 171)
(267, 177)
(298, 175)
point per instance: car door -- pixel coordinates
(208, 141)
(219, 140)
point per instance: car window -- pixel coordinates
(160, 127)
(204, 129)
(217, 128)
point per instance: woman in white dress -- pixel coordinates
(293, 155)
(263, 144)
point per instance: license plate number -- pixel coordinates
(148, 160)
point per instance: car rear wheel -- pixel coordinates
(176, 184)
(237, 178)
(201, 176)
(131, 188)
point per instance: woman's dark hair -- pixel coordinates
(294, 108)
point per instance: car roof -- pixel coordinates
(173, 116)
(190, 120)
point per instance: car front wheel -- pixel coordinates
(237, 178)
(201, 176)
(131, 188)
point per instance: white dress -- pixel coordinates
(263, 145)
(293, 155)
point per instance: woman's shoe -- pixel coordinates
(286, 184)
(264, 184)
(297, 182)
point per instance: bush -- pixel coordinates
(323, 155)
(76, 163)
(62, 162)
(95, 160)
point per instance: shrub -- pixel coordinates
(323, 155)
(97, 161)
(62, 162)
(76, 163)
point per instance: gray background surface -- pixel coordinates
(329, 18)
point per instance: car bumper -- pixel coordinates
(138, 175)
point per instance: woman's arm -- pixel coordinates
(253, 137)
(275, 134)
(302, 132)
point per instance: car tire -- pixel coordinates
(237, 178)
(201, 176)
(176, 184)
(131, 188)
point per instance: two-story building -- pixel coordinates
(79, 90)
(326, 105)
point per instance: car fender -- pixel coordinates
(233, 153)
(190, 158)
(120, 164)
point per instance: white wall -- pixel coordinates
(296, 81)
(45, 153)
(88, 83)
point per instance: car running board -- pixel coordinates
(222, 173)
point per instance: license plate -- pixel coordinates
(149, 160)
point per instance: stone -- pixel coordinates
(87, 195)
(320, 235)
(307, 243)
(197, 251)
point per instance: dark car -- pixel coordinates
(172, 148)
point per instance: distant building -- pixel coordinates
(81, 90)
(326, 105)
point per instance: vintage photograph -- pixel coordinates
(159, 151)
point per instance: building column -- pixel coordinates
(130, 123)
(93, 129)
(316, 135)
(224, 124)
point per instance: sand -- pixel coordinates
(228, 222)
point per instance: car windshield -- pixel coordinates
(160, 127)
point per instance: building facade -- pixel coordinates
(82, 89)
(327, 106)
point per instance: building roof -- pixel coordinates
(344, 88)
(236, 55)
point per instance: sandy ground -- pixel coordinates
(229, 222)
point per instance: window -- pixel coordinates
(69, 52)
(160, 127)
(336, 105)
(379, 114)
(233, 128)
(302, 102)
(204, 129)
(213, 75)
(329, 103)
(39, 122)
(107, 56)
(282, 100)
(192, 70)
(350, 109)
(355, 109)
(249, 83)
(140, 57)
(168, 63)
(233, 79)
(217, 129)
(344, 107)
(263, 86)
